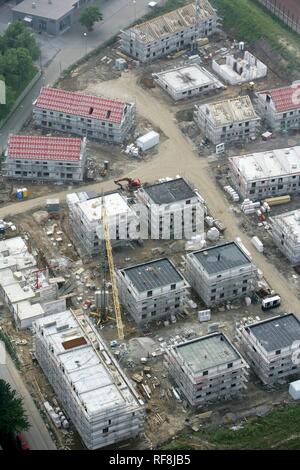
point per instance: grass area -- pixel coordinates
(249, 21)
(280, 429)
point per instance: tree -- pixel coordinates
(13, 418)
(17, 35)
(90, 16)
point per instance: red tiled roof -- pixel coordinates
(79, 104)
(44, 148)
(285, 98)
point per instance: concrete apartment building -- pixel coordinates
(221, 273)
(228, 121)
(280, 107)
(50, 16)
(187, 81)
(85, 217)
(239, 69)
(269, 347)
(39, 158)
(286, 234)
(207, 369)
(168, 33)
(153, 290)
(26, 296)
(174, 209)
(89, 384)
(88, 116)
(266, 174)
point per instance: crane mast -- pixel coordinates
(112, 273)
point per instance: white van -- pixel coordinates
(270, 302)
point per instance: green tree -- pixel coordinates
(13, 418)
(90, 16)
(17, 35)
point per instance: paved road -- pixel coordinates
(72, 46)
(38, 436)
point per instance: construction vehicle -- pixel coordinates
(247, 88)
(132, 184)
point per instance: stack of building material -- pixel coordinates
(197, 242)
(204, 315)
(294, 389)
(249, 207)
(258, 244)
(131, 149)
(213, 234)
(232, 193)
(209, 220)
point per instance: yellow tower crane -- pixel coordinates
(112, 273)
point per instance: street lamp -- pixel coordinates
(134, 3)
(85, 37)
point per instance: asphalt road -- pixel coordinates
(38, 436)
(72, 46)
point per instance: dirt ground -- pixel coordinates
(179, 152)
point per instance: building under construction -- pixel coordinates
(207, 369)
(286, 234)
(228, 121)
(272, 347)
(171, 32)
(221, 273)
(174, 209)
(187, 81)
(91, 387)
(85, 217)
(152, 291)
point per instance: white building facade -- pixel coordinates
(226, 121)
(266, 174)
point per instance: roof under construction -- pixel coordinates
(221, 258)
(147, 276)
(206, 352)
(277, 332)
(166, 192)
(172, 22)
(231, 111)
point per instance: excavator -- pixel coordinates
(132, 184)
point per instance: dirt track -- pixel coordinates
(176, 156)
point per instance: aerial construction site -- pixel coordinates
(149, 240)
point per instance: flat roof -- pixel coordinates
(29, 147)
(170, 191)
(172, 22)
(154, 274)
(114, 203)
(230, 111)
(290, 223)
(206, 352)
(80, 104)
(277, 332)
(96, 385)
(270, 164)
(187, 77)
(284, 98)
(54, 10)
(26, 310)
(221, 258)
